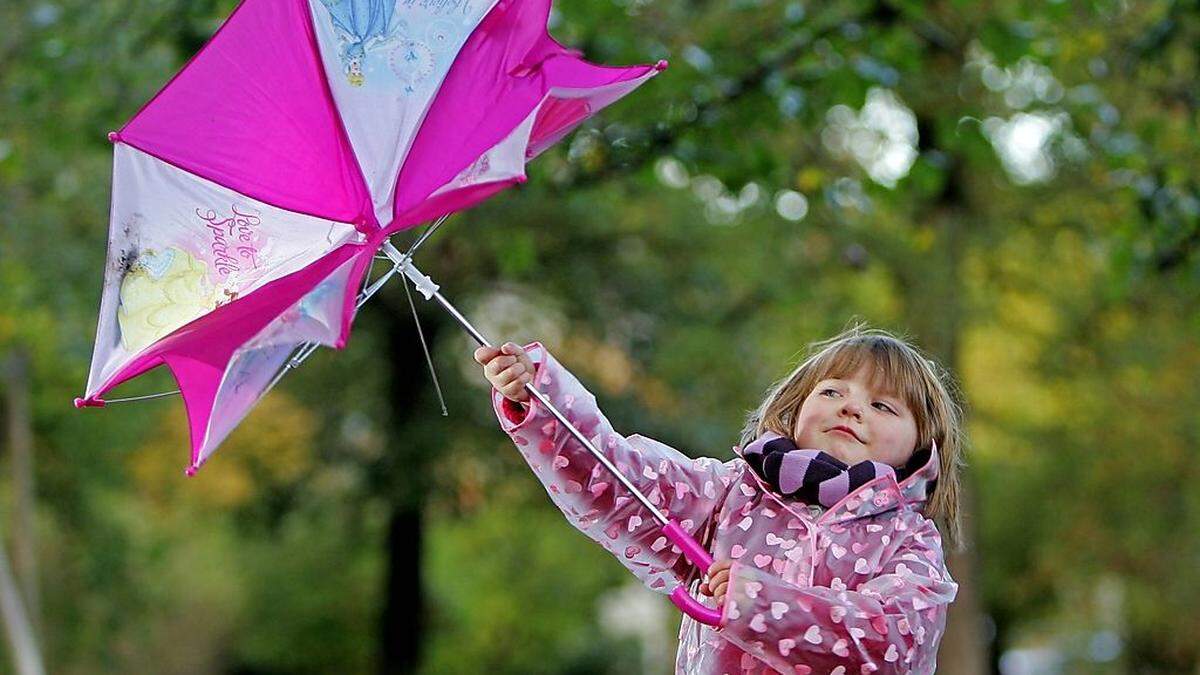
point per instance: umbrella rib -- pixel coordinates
(425, 347)
(306, 349)
(127, 399)
(370, 270)
(412, 250)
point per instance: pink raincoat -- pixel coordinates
(858, 588)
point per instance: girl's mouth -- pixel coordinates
(846, 430)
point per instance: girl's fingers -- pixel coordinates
(485, 354)
(515, 388)
(513, 382)
(718, 580)
(498, 364)
(718, 566)
(508, 368)
(511, 373)
(517, 351)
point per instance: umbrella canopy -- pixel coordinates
(252, 192)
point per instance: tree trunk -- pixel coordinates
(20, 443)
(935, 309)
(26, 656)
(405, 475)
(964, 647)
(402, 625)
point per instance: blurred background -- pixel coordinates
(1011, 185)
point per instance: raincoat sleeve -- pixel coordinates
(890, 623)
(685, 489)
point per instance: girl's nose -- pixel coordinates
(850, 408)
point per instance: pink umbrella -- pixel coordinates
(252, 193)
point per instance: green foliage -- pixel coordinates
(515, 599)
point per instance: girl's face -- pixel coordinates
(855, 421)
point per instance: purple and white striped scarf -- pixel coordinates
(815, 477)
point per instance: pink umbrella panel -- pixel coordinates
(251, 194)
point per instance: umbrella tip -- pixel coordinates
(191, 470)
(113, 137)
(82, 403)
(661, 65)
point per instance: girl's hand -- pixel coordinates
(718, 581)
(508, 368)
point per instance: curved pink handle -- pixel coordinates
(693, 607)
(694, 552)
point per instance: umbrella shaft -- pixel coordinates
(429, 290)
(462, 320)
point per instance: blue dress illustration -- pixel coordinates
(363, 26)
(366, 27)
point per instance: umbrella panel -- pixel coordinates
(253, 370)
(181, 246)
(384, 62)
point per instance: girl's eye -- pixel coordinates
(883, 406)
(826, 392)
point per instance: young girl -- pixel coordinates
(827, 560)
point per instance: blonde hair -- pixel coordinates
(925, 387)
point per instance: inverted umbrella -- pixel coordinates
(252, 193)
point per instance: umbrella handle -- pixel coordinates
(695, 553)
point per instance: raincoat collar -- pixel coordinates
(877, 496)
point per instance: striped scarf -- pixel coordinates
(815, 477)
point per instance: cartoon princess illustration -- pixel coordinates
(161, 291)
(365, 27)
(362, 26)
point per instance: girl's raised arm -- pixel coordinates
(687, 490)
